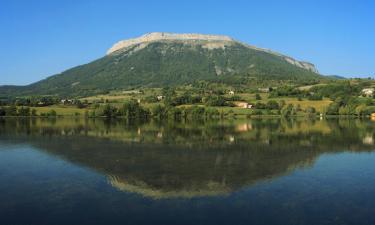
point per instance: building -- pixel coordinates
(231, 92)
(160, 97)
(244, 105)
(66, 101)
(368, 92)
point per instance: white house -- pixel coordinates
(160, 97)
(231, 92)
(66, 101)
(368, 92)
(244, 105)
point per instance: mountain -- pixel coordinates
(337, 77)
(166, 59)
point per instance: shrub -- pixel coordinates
(24, 111)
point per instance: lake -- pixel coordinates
(259, 171)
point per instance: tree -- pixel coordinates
(33, 112)
(272, 105)
(2, 111)
(159, 111)
(288, 111)
(216, 100)
(109, 111)
(197, 112)
(315, 97)
(333, 108)
(11, 111)
(282, 104)
(174, 113)
(24, 111)
(257, 96)
(310, 110)
(260, 105)
(211, 112)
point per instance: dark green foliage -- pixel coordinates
(333, 108)
(234, 98)
(131, 109)
(79, 104)
(163, 64)
(159, 111)
(366, 111)
(174, 113)
(257, 96)
(51, 113)
(33, 112)
(285, 91)
(109, 111)
(196, 112)
(315, 97)
(260, 105)
(183, 99)
(11, 111)
(215, 100)
(24, 111)
(289, 110)
(257, 112)
(2, 111)
(340, 89)
(272, 105)
(310, 110)
(211, 112)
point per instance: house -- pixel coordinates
(231, 92)
(66, 101)
(160, 97)
(368, 92)
(244, 105)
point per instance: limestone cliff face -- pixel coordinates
(157, 36)
(210, 42)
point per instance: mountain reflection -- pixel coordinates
(171, 159)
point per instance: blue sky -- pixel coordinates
(42, 38)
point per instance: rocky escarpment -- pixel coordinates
(155, 37)
(210, 42)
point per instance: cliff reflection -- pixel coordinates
(169, 159)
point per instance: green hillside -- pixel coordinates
(167, 63)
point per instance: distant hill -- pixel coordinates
(338, 77)
(165, 59)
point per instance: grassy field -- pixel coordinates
(318, 105)
(121, 96)
(118, 98)
(61, 110)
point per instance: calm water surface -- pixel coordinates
(70, 171)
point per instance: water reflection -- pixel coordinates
(168, 159)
